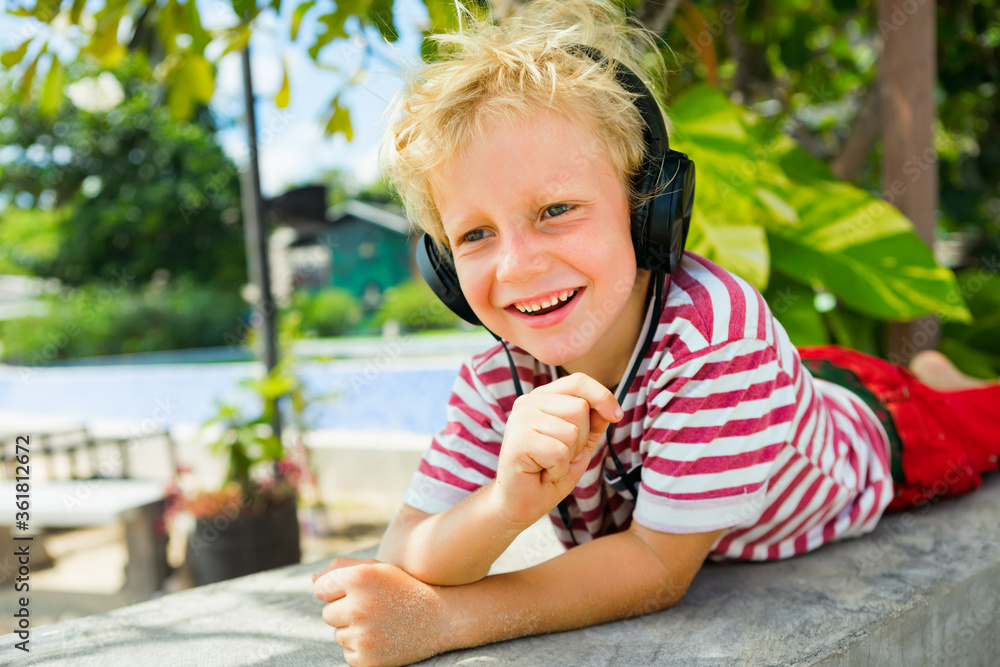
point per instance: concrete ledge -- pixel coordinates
(924, 589)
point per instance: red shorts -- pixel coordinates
(948, 438)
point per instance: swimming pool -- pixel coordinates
(400, 394)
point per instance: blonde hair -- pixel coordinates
(506, 71)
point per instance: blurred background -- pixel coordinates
(210, 320)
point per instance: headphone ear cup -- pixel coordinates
(645, 184)
(663, 221)
(438, 269)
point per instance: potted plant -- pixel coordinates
(250, 523)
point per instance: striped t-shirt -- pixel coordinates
(731, 432)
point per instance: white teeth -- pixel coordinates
(532, 307)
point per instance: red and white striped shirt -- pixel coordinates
(731, 432)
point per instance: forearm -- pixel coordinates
(453, 547)
(614, 577)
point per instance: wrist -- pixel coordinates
(508, 510)
(461, 619)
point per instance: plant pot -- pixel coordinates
(223, 547)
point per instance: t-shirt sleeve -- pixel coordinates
(463, 456)
(716, 423)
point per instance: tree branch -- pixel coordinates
(860, 138)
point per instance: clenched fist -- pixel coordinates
(547, 444)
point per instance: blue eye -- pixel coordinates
(473, 236)
(561, 208)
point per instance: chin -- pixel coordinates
(556, 354)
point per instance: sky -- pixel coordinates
(293, 146)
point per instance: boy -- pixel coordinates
(522, 155)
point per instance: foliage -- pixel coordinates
(975, 347)
(261, 471)
(119, 319)
(809, 69)
(764, 206)
(121, 191)
(327, 312)
(415, 307)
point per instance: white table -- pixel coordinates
(138, 504)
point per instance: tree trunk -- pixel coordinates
(908, 70)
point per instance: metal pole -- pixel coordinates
(255, 233)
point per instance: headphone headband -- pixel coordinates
(659, 222)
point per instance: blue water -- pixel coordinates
(401, 395)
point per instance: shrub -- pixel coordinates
(98, 321)
(328, 312)
(415, 307)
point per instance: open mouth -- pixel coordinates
(546, 307)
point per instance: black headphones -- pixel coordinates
(660, 222)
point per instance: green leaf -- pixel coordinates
(894, 277)
(339, 121)
(741, 249)
(179, 101)
(236, 39)
(380, 14)
(442, 15)
(193, 26)
(24, 87)
(75, 10)
(969, 360)
(52, 92)
(11, 58)
(104, 45)
(198, 73)
(282, 98)
(333, 23)
(791, 302)
(981, 290)
(297, 15)
(46, 10)
(245, 9)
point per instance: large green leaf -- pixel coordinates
(52, 90)
(894, 277)
(857, 246)
(725, 225)
(820, 230)
(792, 304)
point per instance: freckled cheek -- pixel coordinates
(476, 284)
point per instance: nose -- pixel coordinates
(522, 256)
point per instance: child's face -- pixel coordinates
(535, 212)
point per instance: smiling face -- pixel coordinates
(538, 223)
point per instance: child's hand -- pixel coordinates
(548, 441)
(382, 615)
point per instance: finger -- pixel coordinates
(337, 614)
(573, 411)
(548, 456)
(342, 562)
(590, 390)
(330, 587)
(571, 431)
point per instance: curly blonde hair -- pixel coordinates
(506, 71)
